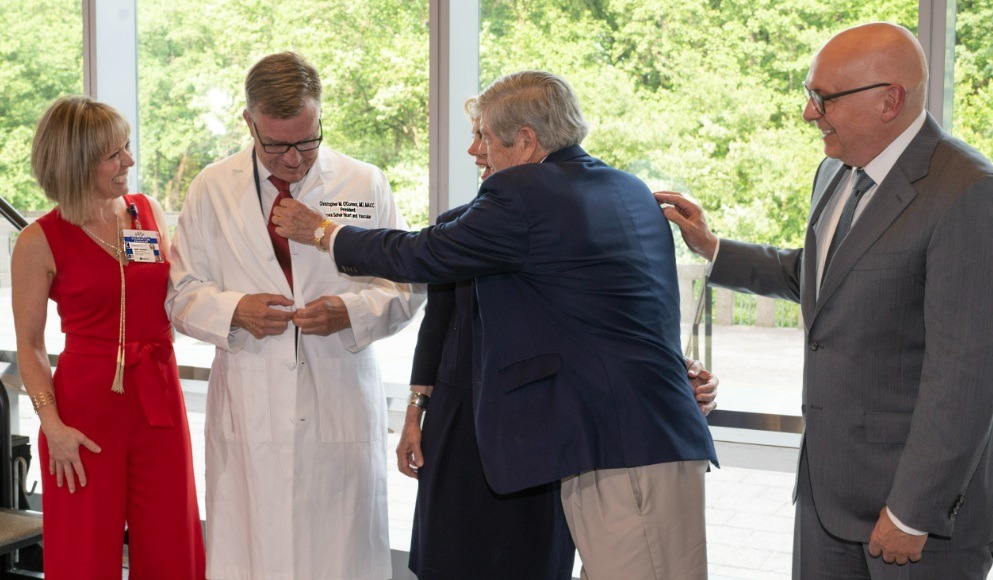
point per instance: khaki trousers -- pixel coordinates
(640, 522)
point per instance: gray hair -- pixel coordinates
(281, 84)
(536, 99)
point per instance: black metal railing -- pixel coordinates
(703, 315)
(11, 214)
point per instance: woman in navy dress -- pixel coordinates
(462, 528)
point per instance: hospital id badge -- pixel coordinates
(142, 245)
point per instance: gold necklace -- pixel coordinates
(118, 384)
(114, 248)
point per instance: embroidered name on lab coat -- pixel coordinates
(348, 209)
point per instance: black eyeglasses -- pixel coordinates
(301, 146)
(820, 99)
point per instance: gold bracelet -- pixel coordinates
(419, 400)
(39, 401)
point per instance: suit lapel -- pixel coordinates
(893, 196)
(886, 205)
(828, 176)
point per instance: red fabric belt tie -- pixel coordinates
(151, 363)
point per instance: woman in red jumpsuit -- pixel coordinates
(114, 441)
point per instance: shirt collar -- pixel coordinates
(880, 167)
(295, 187)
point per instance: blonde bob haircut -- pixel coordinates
(73, 137)
(537, 99)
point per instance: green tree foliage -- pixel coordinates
(972, 114)
(702, 96)
(372, 56)
(41, 59)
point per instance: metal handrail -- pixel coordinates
(704, 305)
(6, 478)
(11, 214)
(717, 418)
(703, 313)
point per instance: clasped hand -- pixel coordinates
(324, 316)
(270, 315)
(263, 314)
(704, 386)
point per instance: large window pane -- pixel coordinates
(972, 112)
(41, 59)
(373, 59)
(705, 98)
(41, 48)
(372, 56)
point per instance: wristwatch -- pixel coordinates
(419, 400)
(319, 234)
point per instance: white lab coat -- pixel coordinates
(295, 441)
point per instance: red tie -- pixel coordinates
(280, 244)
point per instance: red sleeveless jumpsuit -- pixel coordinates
(144, 475)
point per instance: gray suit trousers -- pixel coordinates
(817, 555)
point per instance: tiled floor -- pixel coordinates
(749, 523)
(749, 515)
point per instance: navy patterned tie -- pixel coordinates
(862, 184)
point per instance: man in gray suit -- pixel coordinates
(895, 280)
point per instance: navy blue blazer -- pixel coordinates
(576, 320)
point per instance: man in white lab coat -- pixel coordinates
(296, 412)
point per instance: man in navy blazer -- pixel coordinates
(576, 328)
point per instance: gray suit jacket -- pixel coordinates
(898, 373)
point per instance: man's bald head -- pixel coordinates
(882, 74)
(879, 52)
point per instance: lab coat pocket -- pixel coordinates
(351, 400)
(245, 407)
